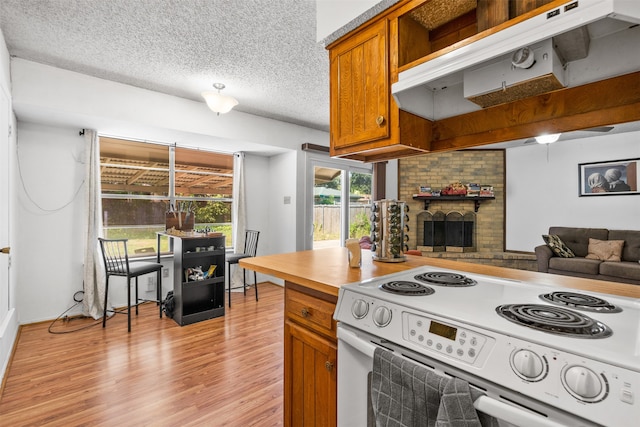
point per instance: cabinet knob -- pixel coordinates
(5, 250)
(380, 120)
(304, 312)
(328, 365)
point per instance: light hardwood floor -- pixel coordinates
(226, 371)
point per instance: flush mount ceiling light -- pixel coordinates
(218, 102)
(548, 138)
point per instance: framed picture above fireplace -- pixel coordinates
(609, 178)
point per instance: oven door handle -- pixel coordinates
(486, 404)
(356, 342)
(512, 414)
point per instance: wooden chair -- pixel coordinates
(250, 249)
(116, 263)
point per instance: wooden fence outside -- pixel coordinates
(326, 218)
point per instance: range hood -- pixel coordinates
(484, 72)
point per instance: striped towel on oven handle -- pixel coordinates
(407, 394)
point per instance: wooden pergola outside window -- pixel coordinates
(141, 181)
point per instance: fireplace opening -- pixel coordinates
(453, 232)
(434, 234)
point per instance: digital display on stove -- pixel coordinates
(443, 330)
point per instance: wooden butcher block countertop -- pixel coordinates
(326, 270)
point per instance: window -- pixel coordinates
(141, 181)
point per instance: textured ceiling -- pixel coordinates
(264, 51)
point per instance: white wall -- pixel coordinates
(392, 184)
(283, 215)
(542, 189)
(258, 197)
(50, 220)
(257, 175)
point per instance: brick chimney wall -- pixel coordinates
(485, 167)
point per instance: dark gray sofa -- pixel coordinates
(577, 239)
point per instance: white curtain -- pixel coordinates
(239, 209)
(94, 274)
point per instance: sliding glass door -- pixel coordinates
(341, 203)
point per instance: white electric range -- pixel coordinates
(553, 356)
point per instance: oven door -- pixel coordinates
(355, 363)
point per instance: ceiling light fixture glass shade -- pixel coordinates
(547, 139)
(217, 102)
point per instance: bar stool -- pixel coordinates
(250, 249)
(116, 263)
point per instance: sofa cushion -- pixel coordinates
(625, 269)
(605, 250)
(577, 239)
(575, 265)
(631, 250)
(558, 247)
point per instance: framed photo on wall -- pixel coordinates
(615, 177)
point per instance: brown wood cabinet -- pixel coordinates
(310, 357)
(365, 120)
(360, 107)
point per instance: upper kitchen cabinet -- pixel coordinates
(366, 124)
(360, 88)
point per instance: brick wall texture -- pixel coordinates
(485, 167)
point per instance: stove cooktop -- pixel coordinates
(475, 300)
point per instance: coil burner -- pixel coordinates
(403, 287)
(442, 278)
(580, 302)
(555, 320)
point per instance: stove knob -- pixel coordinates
(382, 316)
(528, 365)
(582, 382)
(359, 309)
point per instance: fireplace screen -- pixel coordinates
(454, 231)
(434, 230)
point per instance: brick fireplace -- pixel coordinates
(441, 169)
(437, 170)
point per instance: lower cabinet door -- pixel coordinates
(309, 377)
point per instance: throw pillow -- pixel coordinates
(605, 250)
(557, 246)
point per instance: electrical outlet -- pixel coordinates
(151, 285)
(165, 272)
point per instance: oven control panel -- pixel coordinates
(453, 341)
